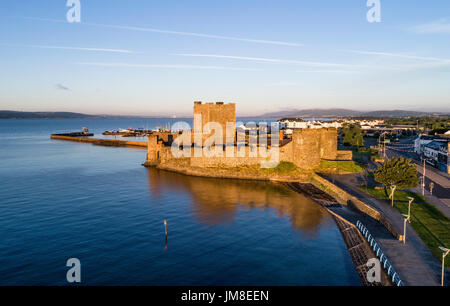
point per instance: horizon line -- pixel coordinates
(181, 115)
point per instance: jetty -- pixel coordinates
(100, 142)
(128, 132)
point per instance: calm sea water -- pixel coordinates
(60, 200)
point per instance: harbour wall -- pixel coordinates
(103, 142)
(355, 203)
(230, 173)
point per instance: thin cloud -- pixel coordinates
(85, 49)
(126, 65)
(329, 71)
(424, 62)
(438, 62)
(441, 26)
(72, 48)
(406, 56)
(267, 60)
(163, 31)
(61, 87)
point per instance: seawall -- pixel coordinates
(103, 142)
(242, 173)
(354, 202)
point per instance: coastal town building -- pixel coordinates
(289, 124)
(435, 149)
(420, 142)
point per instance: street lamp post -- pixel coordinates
(424, 174)
(393, 187)
(409, 208)
(445, 253)
(382, 145)
(404, 227)
(423, 180)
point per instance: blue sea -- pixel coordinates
(61, 200)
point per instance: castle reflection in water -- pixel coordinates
(216, 201)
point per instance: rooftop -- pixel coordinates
(436, 145)
(292, 119)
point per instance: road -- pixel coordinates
(441, 191)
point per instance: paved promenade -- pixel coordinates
(439, 203)
(436, 176)
(414, 262)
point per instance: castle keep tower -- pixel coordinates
(214, 112)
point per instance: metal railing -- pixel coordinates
(387, 266)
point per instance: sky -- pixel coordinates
(145, 57)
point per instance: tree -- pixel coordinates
(359, 140)
(376, 135)
(352, 136)
(348, 140)
(397, 173)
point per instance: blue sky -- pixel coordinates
(145, 57)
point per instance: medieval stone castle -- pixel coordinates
(305, 147)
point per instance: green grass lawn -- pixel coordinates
(432, 226)
(339, 166)
(282, 168)
(363, 155)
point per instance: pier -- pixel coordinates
(102, 142)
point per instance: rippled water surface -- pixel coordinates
(61, 199)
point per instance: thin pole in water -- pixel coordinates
(165, 231)
(165, 227)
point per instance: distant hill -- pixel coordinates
(5, 114)
(305, 113)
(341, 112)
(398, 113)
(316, 112)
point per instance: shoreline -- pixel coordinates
(230, 173)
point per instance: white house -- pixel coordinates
(437, 152)
(420, 142)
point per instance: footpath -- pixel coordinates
(414, 262)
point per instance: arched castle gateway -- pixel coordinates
(305, 148)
